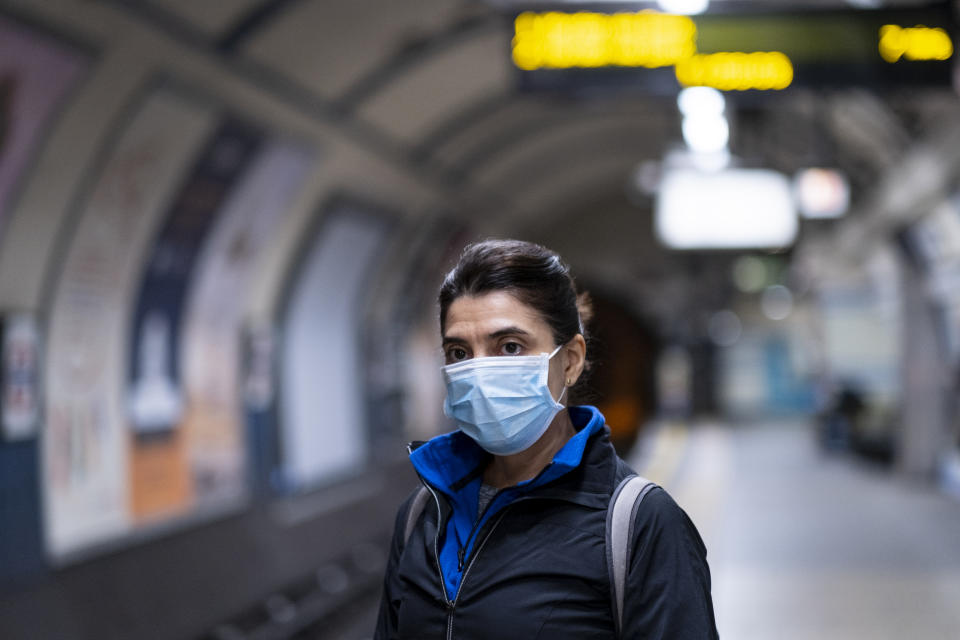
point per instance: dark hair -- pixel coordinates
(533, 274)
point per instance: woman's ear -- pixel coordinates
(575, 358)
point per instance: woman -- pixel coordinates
(511, 543)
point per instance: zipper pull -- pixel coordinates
(460, 558)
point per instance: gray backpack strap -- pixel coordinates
(621, 514)
(413, 513)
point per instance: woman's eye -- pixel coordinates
(512, 348)
(456, 354)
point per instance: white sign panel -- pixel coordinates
(734, 208)
(323, 429)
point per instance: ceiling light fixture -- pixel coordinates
(684, 7)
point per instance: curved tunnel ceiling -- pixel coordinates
(423, 73)
(428, 84)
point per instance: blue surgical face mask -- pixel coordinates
(502, 402)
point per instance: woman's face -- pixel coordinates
(497, 324)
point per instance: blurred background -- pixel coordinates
(222, 229)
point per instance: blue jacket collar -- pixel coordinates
(450, 461)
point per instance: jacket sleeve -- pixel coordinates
(667, 594)
(390, 598)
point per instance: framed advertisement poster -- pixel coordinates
(85, 453)
(144, 428)
(211, 343)
(19, 376)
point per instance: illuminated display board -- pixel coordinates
(574, 49)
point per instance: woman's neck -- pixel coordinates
(506, 471)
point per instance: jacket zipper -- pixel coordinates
(436, 537)
(436, 541)
(462, 552)
(451, 606)
(473, 558)
(436, 554)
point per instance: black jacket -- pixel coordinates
(539, 569)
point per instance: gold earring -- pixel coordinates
(568, 382)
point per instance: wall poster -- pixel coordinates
(144, 361)
(85, 442)
(211, 347)
(19, 376)
(161, 479)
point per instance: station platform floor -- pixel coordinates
(802, 544)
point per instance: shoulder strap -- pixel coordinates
(417, 504)
(620, 517)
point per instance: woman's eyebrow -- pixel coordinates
(509, 331)
(499, 333)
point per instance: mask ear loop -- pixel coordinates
(562, 393)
